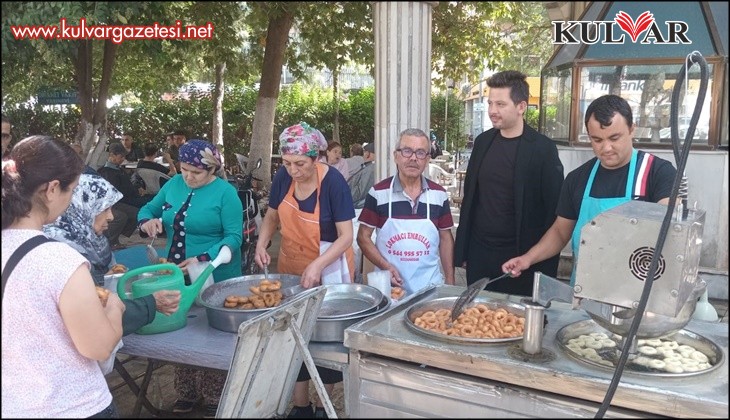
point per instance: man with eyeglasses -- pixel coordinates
(6, 135)
(413, 219)
(511, 191)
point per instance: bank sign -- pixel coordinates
(644, 30)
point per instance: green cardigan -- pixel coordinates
(213, 219)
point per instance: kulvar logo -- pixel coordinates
(606, 31)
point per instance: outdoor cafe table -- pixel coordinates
(201, 346)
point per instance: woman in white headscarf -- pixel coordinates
(82, 227)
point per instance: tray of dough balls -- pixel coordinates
(229, 303)
(483, 321)
(683, 353)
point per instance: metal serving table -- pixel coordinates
(396, 372)
(201, 346)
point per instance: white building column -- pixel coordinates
(402, 75)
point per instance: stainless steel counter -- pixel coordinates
(386, 346)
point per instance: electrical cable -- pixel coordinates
(693, 58)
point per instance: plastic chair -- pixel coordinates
(151, 179)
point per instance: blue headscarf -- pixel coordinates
(201, 154)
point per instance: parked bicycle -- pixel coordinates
(252, 220)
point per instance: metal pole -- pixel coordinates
(446, 120)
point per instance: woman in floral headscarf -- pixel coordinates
(200, 213)
(312, 204)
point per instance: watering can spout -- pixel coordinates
(224, 257)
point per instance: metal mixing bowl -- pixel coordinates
(618, 319)
(226, 319)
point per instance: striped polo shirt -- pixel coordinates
(375, 211)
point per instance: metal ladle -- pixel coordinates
(471, 292)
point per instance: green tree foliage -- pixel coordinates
(150, 119)
(527, 34)
(453, 125)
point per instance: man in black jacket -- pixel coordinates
(511, 190)
(132, 201)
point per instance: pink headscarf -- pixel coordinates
(301, 139)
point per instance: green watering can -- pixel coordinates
(149, 280)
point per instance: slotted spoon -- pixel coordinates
(471, 292)
(152, 255)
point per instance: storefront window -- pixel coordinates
(556, 98)
(648, 89)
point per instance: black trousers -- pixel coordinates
(124, 223)
(328, 376)
(485, 260)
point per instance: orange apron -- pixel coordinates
(300, 238)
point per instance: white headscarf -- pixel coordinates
(75, 226)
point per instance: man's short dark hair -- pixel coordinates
(515, 80)
(605, 107)
(370, 147)
(117, 149)
(5, 120)
(180, 133)
(150, 149)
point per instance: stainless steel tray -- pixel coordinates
(448, 303)
(702, 344)
(349, 299)
(333, 330)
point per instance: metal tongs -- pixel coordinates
(471, 292)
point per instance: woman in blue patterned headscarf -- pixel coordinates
(82, 226)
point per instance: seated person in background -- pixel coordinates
(363, 179)
(113, 173)
(355, 160)
(150, 153)
(134, 153)
(174, 140)
(334, 158)
(131, 200)
(82, 227)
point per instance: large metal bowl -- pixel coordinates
(448, 303)
(226, 319)
(618, 319)
(333, 330)
(349, 299)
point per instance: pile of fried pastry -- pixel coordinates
(266, 295)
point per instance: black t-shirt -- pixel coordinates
(496, 192)
(152, 165)
(652, 185)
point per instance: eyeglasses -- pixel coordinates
(407, 153)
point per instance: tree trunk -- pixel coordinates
(336, 99)
(277, 36)
(90, 133)
(218, 92)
